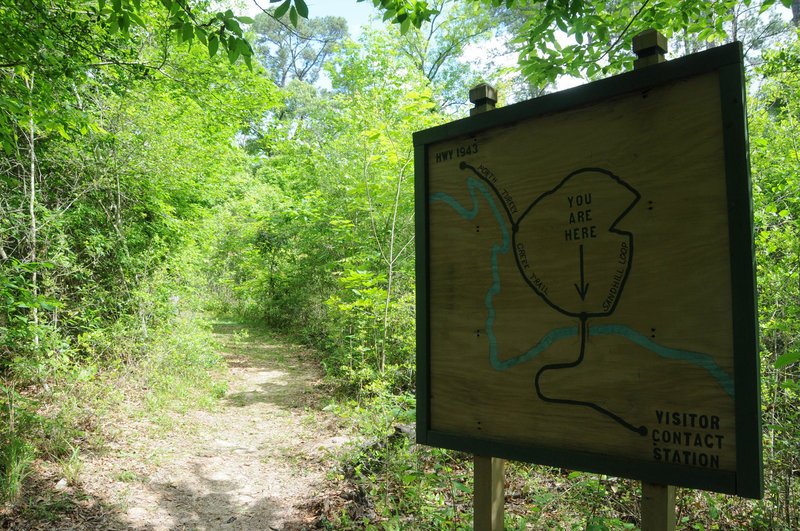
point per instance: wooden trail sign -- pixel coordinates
(585, 275)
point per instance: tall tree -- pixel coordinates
(296, 52)
(436, 48)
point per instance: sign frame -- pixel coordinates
(747, 479)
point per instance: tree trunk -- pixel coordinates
(796, 13)
(32, 207)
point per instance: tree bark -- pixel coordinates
(32, 207)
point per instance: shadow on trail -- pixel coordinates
(214, 506)
(250, 347)
(281, 395)
(279, 375)
(41, 506)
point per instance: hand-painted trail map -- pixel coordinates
(605, 263)
(585, 281)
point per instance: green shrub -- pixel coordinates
(16, 452)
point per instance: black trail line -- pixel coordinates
(480, 176)
(584, 287)
(641, 430)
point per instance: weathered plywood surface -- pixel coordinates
(580, 284)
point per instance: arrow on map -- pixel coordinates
(584, 287)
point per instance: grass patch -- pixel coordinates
(127, 476)
(71, 465)
(49, 508)
(16, 452)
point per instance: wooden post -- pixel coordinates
(650, 47)
(658, 507)
(658, 501)
(488, 497)
(484, 97)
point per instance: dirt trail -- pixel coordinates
(248, 465)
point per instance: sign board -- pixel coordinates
(585, 277)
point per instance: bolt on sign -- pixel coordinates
(586, 294)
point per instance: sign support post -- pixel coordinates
(488, 496)
(658, 507)
(658, 501)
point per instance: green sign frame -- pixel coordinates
(744, 475)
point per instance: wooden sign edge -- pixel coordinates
(747, 481)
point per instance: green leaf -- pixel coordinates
(302, 8)
(188, 31)
(245, 20)
(293, 16)
(232, 26)
(233, 52)
(137, 19)
(766, 4)
(282, 9)
(463, 488)
(213, 45)
(787, 359)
